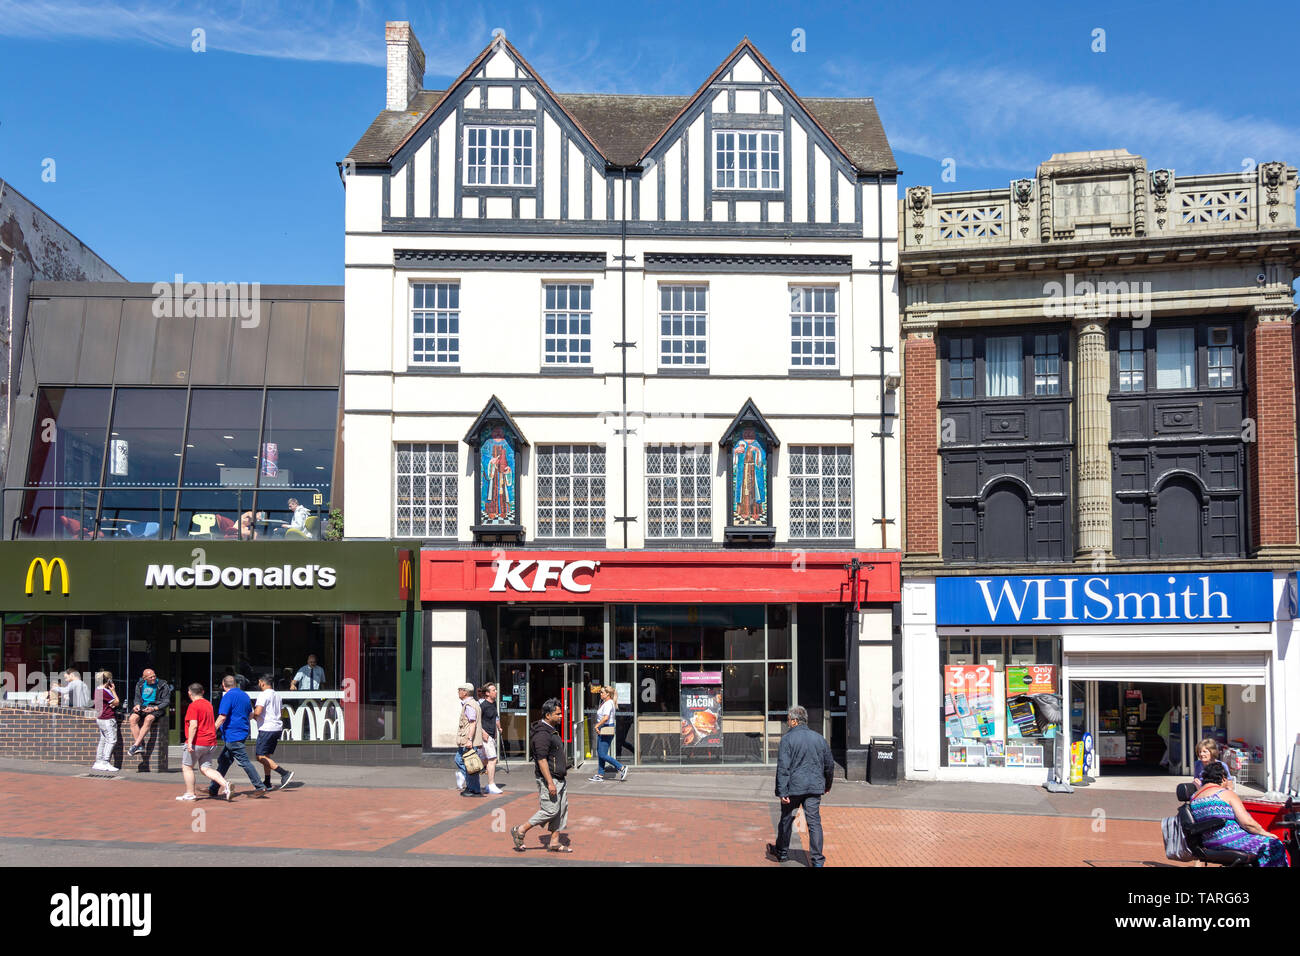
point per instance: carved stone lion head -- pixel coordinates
(1273, 173)
(1162, 181)
(1023, 190)
(918, 197)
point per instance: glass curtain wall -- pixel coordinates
(245, 464)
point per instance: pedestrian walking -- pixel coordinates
(491, 718)
(106, 702)
(200, 742)
(233, 726)
(268, 713)
(804, 772)
(550, 766)
(469, 733)
(605, 735)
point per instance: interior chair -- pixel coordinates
(204, 523)
(308, 532)
(1195, 832)
(225, 527)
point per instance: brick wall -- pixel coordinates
(70, 735)
(62, 734)
(1272, 458)
(921, 424)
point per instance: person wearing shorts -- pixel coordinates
(270, 724)
(491, 733)
(200, 742)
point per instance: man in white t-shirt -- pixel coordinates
(267, 711)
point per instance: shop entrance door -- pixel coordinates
(525, 688)
(574, 726)
(836, 720)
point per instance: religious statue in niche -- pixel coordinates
(749, 480)
(497, 471)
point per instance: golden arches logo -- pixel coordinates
(47, 573)
(406, 574)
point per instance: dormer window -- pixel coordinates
(746, 160)
(498, 155)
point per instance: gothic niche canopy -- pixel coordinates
(747, 447)
(498, 451)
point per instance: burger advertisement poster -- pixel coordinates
(701, 709)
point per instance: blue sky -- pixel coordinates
(220, 164)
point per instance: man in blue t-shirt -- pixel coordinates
(232, 727)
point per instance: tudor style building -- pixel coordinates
(1100, 400)
(636, 354)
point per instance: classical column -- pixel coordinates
(1092, 411)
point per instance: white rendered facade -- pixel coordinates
(575, 219)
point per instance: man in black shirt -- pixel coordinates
(550, 767)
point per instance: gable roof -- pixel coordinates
(749, 414)
(624, 127)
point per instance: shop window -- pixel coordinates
(65, 462)
(378, 677)
(1000, 713)
(297, 459)
(221, 464)
(145, 447)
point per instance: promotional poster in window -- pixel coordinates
(701, 709)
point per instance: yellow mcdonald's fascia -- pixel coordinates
(47, 573)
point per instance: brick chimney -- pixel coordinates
(405, 64)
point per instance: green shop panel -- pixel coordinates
(52, 576)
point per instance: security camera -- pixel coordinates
(1261, 278)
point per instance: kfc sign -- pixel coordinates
(511, 574)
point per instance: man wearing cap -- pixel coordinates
(469, 733)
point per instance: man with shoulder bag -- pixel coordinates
(469, 743)
(550, 766)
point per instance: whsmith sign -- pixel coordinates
(81, 576)
(1125, 599)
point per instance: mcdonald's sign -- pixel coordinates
(47, 573)
(404, 575)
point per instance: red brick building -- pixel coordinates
(1100, 400)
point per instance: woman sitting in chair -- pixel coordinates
(247, 530)
(1239, 831)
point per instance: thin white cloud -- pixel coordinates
(334, 33)
(988, 117)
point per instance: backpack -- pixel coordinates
(1175, 840)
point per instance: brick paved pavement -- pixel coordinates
(362, 825)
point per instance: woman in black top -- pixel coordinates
(491, 732)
